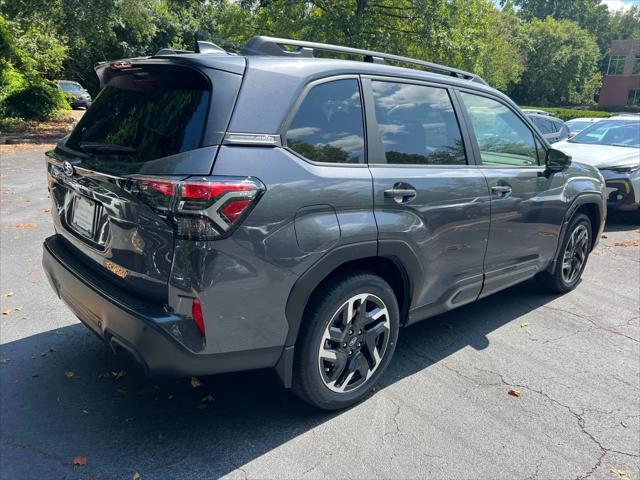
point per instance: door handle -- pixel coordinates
(501, 190)
(401, 193)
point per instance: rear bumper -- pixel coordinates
(135, 327)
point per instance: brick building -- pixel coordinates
(621, 84)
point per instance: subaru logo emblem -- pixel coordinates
(353, 341)
(68, 169)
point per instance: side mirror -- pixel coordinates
(556, 160)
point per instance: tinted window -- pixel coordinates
(544, 125)
(417, 124)
(328, 125)
(142, 116)
(562, 129)
(504, 139)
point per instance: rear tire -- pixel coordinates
(348, 338)
(572, 257)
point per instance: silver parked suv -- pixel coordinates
(218, 212)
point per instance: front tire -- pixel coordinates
(347, 341)
(572, 257)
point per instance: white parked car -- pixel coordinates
(576, 125)
(613, 146)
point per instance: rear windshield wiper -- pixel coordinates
(106, 148)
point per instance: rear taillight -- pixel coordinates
(200, 208)
(196, 313)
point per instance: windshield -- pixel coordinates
(70, 87)
(142, 116)
(619, 133)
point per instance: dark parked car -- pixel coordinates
(552, 129)
(219, 212)
(78, 96)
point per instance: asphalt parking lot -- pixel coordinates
(443, 409)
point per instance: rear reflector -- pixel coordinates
(196, 313)
(200, 208)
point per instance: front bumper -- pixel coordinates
(623, 189)
(80, 103)
(133, 326)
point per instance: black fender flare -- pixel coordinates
(397, 251)
(580, 199)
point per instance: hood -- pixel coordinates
(600, 156)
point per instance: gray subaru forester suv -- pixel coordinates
(217, 212)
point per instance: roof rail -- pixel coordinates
(262, 45)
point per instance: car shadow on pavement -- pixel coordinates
(622, 221)
(106, 410)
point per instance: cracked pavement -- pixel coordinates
(442, 409)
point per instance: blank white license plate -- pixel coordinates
(83, 214)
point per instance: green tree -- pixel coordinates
(561, 61)
(625, 24)
(591, 15)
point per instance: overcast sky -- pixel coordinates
(620, 4)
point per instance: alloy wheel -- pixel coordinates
(354, 343)
(575, 254)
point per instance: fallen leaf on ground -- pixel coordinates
(195, 382)
(23, 225)
(69, 374)
(170, 397)
(8, 294)
(136, 476)
(50, 350)
(17, 309)
(604, 236)
(208, 398)
(525, 324)
(122, 390)
(46, 210)
(621, 474)
(7, 311)
(119, 374)
(79, 461)
(514, 393)
(627, 243)
(85, 412)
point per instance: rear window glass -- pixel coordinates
(142, 116)
(417, 124)
(328, 125)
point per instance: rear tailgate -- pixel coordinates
(155, 121)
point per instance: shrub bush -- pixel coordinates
(569, 113)
(39, 100)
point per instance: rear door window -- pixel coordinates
(328, 126)
(141, 116)
(417, 124)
